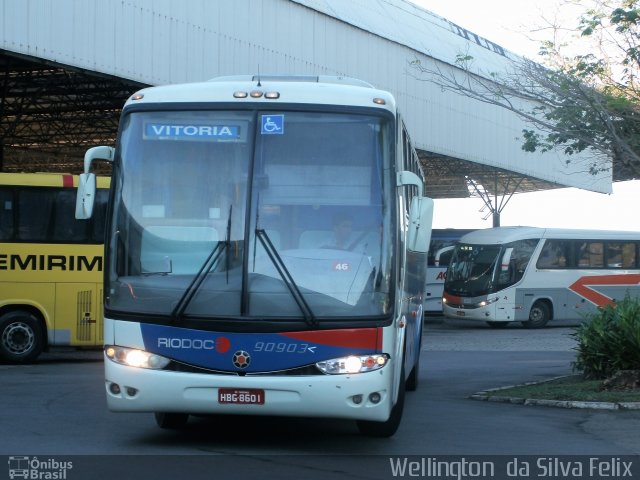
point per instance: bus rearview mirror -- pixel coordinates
(86, 195)
(420, 220)
(506, 259)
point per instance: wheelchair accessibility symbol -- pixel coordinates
(272, 125)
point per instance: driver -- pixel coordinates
(342, 232)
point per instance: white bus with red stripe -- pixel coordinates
(442, 242)
(535, 275)
(266, 252)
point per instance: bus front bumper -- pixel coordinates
(486, 313)
(132, 389)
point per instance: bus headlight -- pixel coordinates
(353, 364)
(488, 301)
(133, 357)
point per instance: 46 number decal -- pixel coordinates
(341, 266)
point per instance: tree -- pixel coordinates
(585, 97)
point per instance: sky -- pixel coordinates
(514, 24)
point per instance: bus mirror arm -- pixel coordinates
(409, 178)
(97, 153)
(420, 221)
(85, 197)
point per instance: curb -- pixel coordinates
(487, 396)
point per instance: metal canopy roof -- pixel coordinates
(449, 177)
(52, 113)
(55, 106)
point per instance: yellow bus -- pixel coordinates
(50, 265)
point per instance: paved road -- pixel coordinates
(464, 335)
(57, 407)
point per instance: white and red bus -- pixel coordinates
(225, 289)
(440, 250)
(535, 275)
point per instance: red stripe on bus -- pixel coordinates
(355, 338)
(67, 181)
(583, 286)
(452, 298)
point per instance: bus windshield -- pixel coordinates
(477, 270)
(471, 269)
(227, 214)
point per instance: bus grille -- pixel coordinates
(305, 370)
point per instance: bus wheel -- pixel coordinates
(388, 428)
(171, 421)
(539, 315)
(21, 337)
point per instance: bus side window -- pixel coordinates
(65, 227)
(35, 206)
(591, 254)
(629, 255)
(6, 214)
(515, 260)
(554, 254)
(621, 255)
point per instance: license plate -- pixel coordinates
(460, 313)
(241, 396)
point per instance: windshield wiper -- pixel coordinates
(202, 273)
(288, 280)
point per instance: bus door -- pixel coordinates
(78, 316)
